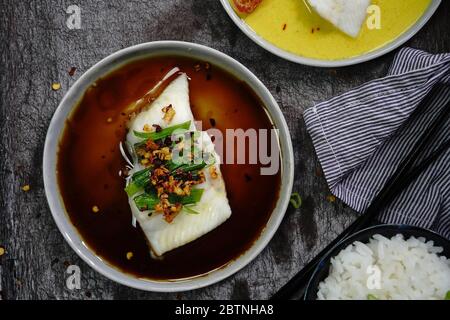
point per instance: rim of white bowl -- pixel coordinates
(394, 44)
(67, 105)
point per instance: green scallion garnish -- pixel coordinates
(138, 181)
(188, 209)
(146, 201)
(132, 188)
(192, 167)
(164, 133)
(194, 197)
(296, 200)
(172, 166)
(141, 178)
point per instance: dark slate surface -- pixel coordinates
(37, 49)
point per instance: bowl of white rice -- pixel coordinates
(385, 262)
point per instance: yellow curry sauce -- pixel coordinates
(290, 25)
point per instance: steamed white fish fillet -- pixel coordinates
(213, 208)
(176, 94)
(346, 15)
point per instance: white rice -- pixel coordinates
(408, 269)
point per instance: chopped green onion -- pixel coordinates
(194, 197)
(138, 181)
(296, 200)
(141, 178)
(193, 167)
(447, 296)
(146, 201)
(188, 209)
(172, 166)
(371, 297)
(132, 188)
(164, 133)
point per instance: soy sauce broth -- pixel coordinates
(89, 162)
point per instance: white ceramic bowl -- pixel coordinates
(330, 63)
(66, 107)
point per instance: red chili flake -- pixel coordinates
(318, 172)
(72, 71)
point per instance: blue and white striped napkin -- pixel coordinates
(362, 136)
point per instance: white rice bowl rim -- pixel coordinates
(325, 262)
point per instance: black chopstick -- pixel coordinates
(402, 177)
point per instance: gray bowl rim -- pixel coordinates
(63, 111)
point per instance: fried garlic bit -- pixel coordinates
(213, 172)
(154, 151)
(147, 128)
(129, 255)
(169, 113)
(95, 209)
(2, 251)
(56, 86)
(109, 120)
(26, 188)
(166, 183)
(163, 154)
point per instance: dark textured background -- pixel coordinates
(37, 49)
